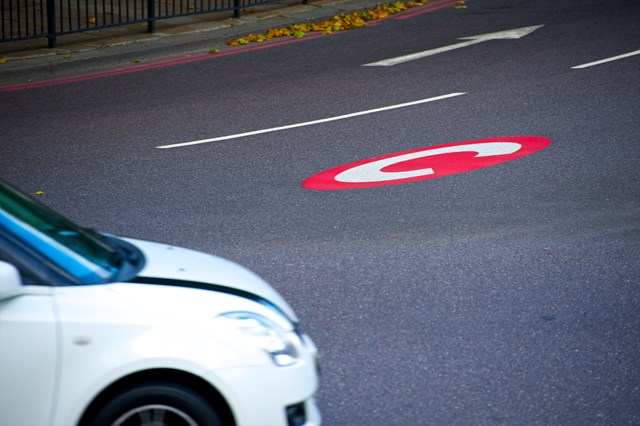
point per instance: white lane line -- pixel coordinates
(602, 61)
(310, 123)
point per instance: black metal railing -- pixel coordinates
(27, 19)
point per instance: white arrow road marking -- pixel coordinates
(614, 58)
(309, 123)
(372, 172)
(502, 35)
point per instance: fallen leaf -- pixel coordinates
(39, 192)
(3, 60)
(92, 20)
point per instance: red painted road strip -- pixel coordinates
(415, 11)
(432, 6)
(426, 163)
(152, 65)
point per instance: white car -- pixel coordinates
(102, 330)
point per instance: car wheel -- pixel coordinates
(157, 404)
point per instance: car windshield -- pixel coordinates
(76, 251)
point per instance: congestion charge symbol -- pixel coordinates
(426, 163)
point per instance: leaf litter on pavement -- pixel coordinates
(345, 21)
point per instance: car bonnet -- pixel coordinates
(178, 266)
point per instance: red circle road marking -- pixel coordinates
(426, 163)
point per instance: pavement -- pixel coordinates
(29, 60)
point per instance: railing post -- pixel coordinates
(51, 23)
(236, 9)
(151, 16)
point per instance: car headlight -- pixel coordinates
(266, 335)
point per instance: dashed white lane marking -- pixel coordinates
(603, 61)
(310, 123)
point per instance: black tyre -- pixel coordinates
(157, 404)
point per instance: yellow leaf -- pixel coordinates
(39, 192)
(3, 60)
(212, 51)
